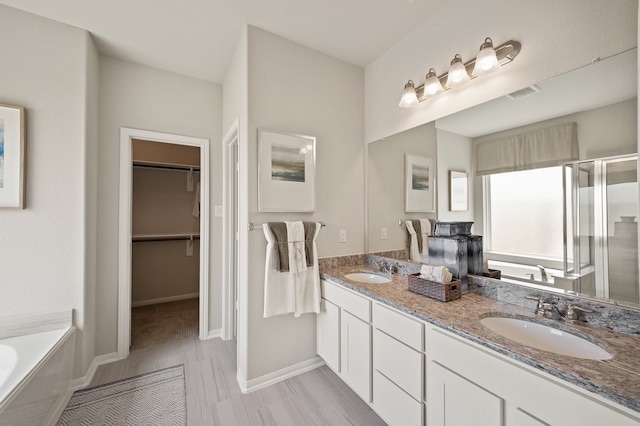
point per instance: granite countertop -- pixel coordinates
(617, 379)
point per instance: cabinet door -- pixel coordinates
(455, 401)
(329, 334)
(355, 354)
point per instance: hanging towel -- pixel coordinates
(196, 202)
(417, 227)
(425, 231)
(280, 252)
(290, 291)
(413, 238)
(296, 243)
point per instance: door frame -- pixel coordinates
(125, 229)
(229, 232)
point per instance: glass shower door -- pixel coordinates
(621, 194)
(601, 231)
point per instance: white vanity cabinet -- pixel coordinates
(398, 367)
(344, 336)
(469, 384)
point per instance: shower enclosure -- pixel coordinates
(600, 228)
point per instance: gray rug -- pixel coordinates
(156, 398)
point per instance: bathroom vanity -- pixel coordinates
(419, 361)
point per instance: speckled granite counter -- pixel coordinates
(617, 379)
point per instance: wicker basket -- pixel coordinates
(493, 273)
(435, 290)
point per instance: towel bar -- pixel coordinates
(254, 227)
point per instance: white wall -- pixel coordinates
(454, 153)
(45, 68)
(556, 37)
(145, 98)
(295, 89)
(235, 107)
(386, 184)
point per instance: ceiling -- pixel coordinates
(198, 37)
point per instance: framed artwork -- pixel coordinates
(12, 141)
(419, 184)
(286, 172)
(458, 191)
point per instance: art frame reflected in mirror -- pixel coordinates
(458, 191)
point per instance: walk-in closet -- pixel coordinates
(165, 242)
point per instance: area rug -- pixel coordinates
(156, 398)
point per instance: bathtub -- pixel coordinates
(35, 375)
(524, 273)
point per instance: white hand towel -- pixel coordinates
(295, 238)
(439, 274)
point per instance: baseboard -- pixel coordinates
(52, 420)
(83, 382)
(165, 299)
(247, 386)
(214, 333)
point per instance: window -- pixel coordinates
(524, 213)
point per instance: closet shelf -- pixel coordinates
(165, 166)
(166, 237)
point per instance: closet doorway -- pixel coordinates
(163, 237)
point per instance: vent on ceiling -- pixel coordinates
(527, 91)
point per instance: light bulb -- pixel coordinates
(432, 85)
(486, 61)
(457, 74)
(409, 97)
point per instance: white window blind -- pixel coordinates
(531, 150)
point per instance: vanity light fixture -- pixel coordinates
(409, 97)
(457, 75)
(488, 60)
(432, 85)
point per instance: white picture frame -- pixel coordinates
(12, 146)
(419, 184)
(286, 172)
(458, 191)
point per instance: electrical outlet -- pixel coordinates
(383, 233)
(343, 235)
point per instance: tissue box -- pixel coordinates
(435, 290)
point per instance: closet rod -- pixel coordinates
(166, 167)
(255, 227)
(164, 237)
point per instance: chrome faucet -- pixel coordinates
(543, 308)
(543, 273)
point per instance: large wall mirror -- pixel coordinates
(565, 223)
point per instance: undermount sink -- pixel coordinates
(546, 338)
(368, 278)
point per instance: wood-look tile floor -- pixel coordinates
(318, 397)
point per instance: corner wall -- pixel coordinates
(145, 98)
(46, 68)
(294, 89)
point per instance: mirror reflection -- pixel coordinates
(552, 181)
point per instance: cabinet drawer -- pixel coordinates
(358, 306)
(400, 326)
(395, 406)
(399, 363)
